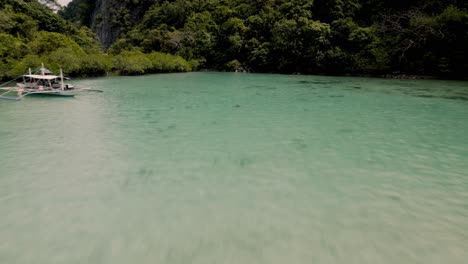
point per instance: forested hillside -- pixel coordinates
(377, 37)
(423, 37)
(30, 33)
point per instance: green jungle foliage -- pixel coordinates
(31, 34)
(423, 37)
(377, 37)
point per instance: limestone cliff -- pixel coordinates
(105, 21)
(107, 18)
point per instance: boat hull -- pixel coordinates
(70, 93)
(51, 94)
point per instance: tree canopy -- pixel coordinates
(421, 37)
(30, 33)
(307, 36)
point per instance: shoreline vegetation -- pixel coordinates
(400, 39)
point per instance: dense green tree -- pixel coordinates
(200, 37)
(11, 50)
(132, 62)
(330, 10)
(79, 11)
(44, 42)
(137, 62)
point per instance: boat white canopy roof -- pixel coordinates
(42, 77)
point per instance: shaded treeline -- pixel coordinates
(421, 37)
(424, 37)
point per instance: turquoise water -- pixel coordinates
(237, 168)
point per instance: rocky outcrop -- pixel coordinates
(107, 18)
(105, 22)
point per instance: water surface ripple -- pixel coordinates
(237, 168)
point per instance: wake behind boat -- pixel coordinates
(45, 83)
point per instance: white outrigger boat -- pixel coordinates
(44, 83)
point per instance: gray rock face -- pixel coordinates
(111, 18)
(103, 23)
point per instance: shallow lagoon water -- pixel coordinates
(237, 168)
